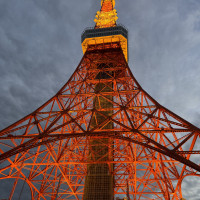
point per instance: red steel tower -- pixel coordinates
(101, 137)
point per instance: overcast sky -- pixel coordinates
(40, 48)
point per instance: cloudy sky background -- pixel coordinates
(40, 48)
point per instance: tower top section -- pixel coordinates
(106, 30)
(107, 16)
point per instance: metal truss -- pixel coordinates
(149, 148)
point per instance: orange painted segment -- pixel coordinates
(101, 134)
(101, 102)
(107, 16)
(107, 6)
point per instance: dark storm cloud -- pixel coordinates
(40, 48)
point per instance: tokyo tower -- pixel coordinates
(102, 136)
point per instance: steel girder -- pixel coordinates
(152, 148)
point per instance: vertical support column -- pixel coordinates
(99, 179)
(13, 189)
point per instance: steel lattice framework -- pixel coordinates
(149, 148)
(101, 136)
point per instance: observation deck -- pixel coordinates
(117, 33)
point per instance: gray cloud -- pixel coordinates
(40, 48)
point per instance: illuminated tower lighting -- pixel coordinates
(102, 136)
